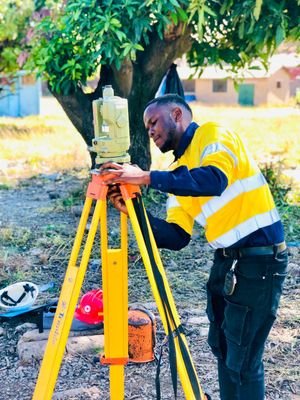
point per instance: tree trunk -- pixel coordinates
(138, 82)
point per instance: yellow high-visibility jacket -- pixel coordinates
(245, 206)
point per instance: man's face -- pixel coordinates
(161, 126)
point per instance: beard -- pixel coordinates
(167, 146)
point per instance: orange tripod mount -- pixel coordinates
(115, 296)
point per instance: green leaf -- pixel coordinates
(118, 63)
(175, 3)
(230, 56)
(182, 15)
(280, 35)
(257, 9)
(138, 47)
(241, 30)
(115, 22)
(127, 49)
(255, 67)
(174, 18)
(209, 11)
(120, 35)
(223, 8)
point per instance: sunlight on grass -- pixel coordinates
(39, 144)
(49, 142)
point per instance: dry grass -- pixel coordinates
(39, 144)
(49, 143)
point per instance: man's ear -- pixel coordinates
(177, 114)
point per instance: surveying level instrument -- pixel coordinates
(111, 128)
(115, 288)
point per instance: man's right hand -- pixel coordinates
(115, 197)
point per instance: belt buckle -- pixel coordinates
(224, 253)
(232, 253)
(279, 248)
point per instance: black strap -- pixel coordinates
(140, 213)
(157, 377)
(11, 302)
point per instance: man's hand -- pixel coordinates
(115, 197)
(124, 173)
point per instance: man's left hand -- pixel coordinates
(124, 173)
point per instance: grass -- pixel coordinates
(49, 143)
(39, 144)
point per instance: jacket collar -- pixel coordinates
(185, 140)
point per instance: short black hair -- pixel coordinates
(168, 99)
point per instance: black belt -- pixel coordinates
(253, 251)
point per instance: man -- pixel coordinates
(215, 182)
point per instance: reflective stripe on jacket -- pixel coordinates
(245, 205)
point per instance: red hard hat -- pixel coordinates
(90, 308)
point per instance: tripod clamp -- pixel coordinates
(97, 188)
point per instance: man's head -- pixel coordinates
(166, 118)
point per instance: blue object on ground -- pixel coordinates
(76, 324)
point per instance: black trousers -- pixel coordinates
(240, 323)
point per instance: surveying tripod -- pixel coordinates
(115, 297)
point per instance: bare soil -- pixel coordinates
(38, 222)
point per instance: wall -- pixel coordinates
(260, 90)
(265, 90)
(279, 95)
(204, 93)
(21, 97)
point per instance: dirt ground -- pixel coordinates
(38, 221)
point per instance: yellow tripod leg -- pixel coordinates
(115, 296)
(183, 374)
(66, 305)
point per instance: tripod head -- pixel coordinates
(111, 128)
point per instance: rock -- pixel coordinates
(1, 331)
(52, 177)
(203, 332)
(95, 264)
(36, 336)
(150, 306)
(196, 311)
(172, 265)
(202, 320)
(27, 351)
(76, 210)
(89, 393)
(53, 195)
(25, 326)
(36, 251)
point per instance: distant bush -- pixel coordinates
(279, 188)
(287, 201)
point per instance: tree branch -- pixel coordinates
(161, 53)
(123, 77)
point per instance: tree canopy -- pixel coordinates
(132, 43)
(14, 17)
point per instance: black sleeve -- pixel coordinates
(168, 235)
(202, 181)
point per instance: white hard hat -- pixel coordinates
(18, 296)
